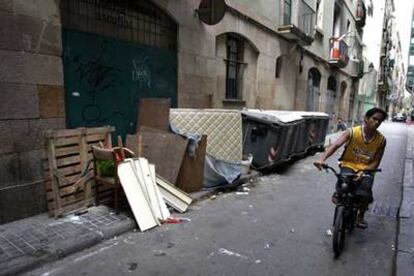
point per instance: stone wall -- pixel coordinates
(201, 66)
(31, 101)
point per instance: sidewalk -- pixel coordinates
(31, 242)
(405, 248)
(28, 243)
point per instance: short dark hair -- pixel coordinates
(374, 110)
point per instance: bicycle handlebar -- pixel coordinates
(327, 167)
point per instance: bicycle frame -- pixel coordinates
(346, 209)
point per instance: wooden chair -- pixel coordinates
(115, 155)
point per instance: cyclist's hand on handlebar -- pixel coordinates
(320, 164)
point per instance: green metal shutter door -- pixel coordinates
(105, 78)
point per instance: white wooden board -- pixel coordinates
(173, 201)
(163, 207)
(173, 196)
(174, 190)
(142, 165)
(136, 197)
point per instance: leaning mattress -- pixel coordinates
(222, 127)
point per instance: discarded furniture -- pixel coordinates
(154, 112)
(148, 193)
(137, 195)
(223, 128)
(69, 175)
(174, 197)
(163, 149)
(191, 174)
(105, 161)
(224, 144)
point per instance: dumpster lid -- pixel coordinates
(311, 114)
(273, 115)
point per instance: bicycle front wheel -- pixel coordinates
(338, 237)
(352, 219)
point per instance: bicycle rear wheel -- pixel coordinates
(338, 237)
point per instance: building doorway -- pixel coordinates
(114, 53)
(313, 90)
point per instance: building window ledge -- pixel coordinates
(318, 32)
(234, 102)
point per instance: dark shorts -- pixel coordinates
(364, 186)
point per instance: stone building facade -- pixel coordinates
(31, 101)
(385, 68)
(65, 64)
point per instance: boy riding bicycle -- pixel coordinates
(364, 148)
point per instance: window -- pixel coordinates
(336, 28)
(235, 67)
(287, 12)
(330, 96)
(135, 21)
(278, 67)
(351, 105)
(307, 18)
(319, 14)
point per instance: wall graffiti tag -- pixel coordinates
(99, 77)
(105, 78)
(141, 72)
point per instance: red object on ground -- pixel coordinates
(175, 220)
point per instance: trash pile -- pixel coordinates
(149, 194)
(173, 152)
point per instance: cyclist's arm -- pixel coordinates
(342, 139)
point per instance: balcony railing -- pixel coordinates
(302, 29)
(338, 52)
(360, 14)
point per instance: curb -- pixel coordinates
(205, 194)
(405, 239)
(62, 249)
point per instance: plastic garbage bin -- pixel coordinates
(316, 128)
(269, 136)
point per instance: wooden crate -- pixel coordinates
(69, 173)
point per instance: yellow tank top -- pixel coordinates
(358, 154)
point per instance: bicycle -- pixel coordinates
(346, 208)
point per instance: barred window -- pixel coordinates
(138, 21)
(235, 67)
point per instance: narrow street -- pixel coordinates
(279, 228)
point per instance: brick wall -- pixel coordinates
(31, 101)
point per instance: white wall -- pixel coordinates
(373, 33)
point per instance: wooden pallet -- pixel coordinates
(69, 174)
